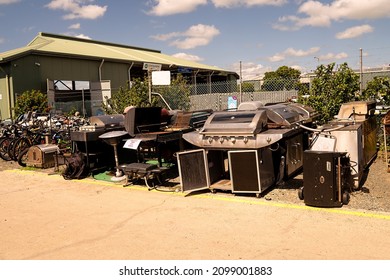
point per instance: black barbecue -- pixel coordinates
(87, 141)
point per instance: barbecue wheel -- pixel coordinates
(300, 193)
(346, 198)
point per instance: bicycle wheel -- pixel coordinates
(23, 157)
(10, 148)
(4, 143)
(18, 146)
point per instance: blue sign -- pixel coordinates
(184, 70)
(232, 102)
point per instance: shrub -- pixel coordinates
(33, 100)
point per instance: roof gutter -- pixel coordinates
(100, 70)
(128, 73)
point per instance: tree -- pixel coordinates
(136, 95)
(330, 88)
(247, 87)
(33, 100)
(177, 95)
(284, 78)
(379, 89)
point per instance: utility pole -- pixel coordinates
(240, 82)
(361, 71)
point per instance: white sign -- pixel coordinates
(151, 66)
(161, 78)
(132, 144)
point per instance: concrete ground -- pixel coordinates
(46, 217)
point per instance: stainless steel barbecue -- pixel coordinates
(262, 146)
(250, 129)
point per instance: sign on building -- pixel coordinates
(151, 66)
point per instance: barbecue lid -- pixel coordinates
(358, 110)
(282, 115)
(107, 121)
(113, 134)
(235, 123)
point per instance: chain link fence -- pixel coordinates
(216, 96)
(223, 95)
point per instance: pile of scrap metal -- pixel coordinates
(156, 132)
(339, 155)
(247, 150)
(258, 146)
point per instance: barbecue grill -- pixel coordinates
(87, 140)
(353, 131)
(157, 137)
(266, 138)
(250, 129)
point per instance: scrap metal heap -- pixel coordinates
(339, 155)
(247, 150)
(260, 146)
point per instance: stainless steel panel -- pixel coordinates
(237, 123)
(107, 121)
(294, 156)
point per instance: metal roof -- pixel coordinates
(52, 44)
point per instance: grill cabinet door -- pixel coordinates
(251, 171)
(193, 170)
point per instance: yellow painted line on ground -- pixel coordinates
(368, 214)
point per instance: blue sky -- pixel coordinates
(262, 34)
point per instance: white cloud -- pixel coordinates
(246, 3)
(165, 37)
(300, 53)
(28, 28)
(77, 9)
(6, 2)
(2, 40)
(75, 26)
(297, 67)
(249, 70)
(170, 7)
(290, 52)
(355, 31)
(332, 56)
(81, 36)
(195, 36)
(318, 14)
(276, 58)
(187, 56)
